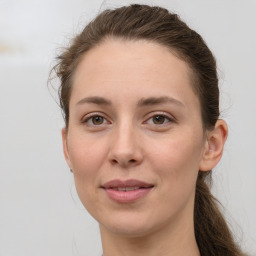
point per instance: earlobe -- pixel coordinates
(214, 146)
(65, 146)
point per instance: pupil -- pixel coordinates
(158, 119)
(97, 120)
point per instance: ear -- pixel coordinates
(65, 146)
(215, 141)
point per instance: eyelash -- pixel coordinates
(88, 120)
(167, 119)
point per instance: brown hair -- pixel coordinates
(142, 22)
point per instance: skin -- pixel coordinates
(122, 138)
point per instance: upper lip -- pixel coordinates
(126, 183)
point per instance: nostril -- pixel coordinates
(131, 161)
(114, 161)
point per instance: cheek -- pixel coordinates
(86, 163)
(86, 154)
(177, 164)
(87, 158)
(177, 160)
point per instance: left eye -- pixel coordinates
(159, 119)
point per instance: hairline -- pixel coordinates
(192, 73)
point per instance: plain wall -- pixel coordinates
(40, 213)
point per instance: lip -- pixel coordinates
(139, 190)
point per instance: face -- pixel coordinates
(135, 139)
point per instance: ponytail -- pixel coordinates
(213, 235)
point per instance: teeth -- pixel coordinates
(131, 188)
(121, 189)
(127, 188)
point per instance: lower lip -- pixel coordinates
(127, 196)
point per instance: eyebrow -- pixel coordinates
(159, 100)
(142, 102)
(95, 100)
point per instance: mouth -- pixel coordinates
(126, 191)
(126, 188)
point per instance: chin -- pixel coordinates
(127, 225)
(128, 230)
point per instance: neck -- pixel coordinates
(170, 241)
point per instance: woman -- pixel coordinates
(139, 94)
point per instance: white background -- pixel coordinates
(40, 213)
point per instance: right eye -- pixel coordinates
(95, 120)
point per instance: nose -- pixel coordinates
(125, 147)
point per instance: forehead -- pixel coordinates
(143, 66)
(117, 53)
